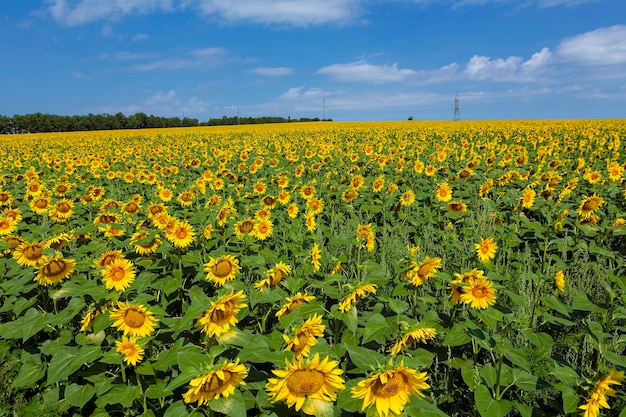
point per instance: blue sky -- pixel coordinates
(363, 59)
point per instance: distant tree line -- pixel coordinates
(38, 122)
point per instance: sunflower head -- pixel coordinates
(219, 381)
(133, 319)
(221, 270)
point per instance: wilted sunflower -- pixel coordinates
(8, 225)
(349, 195)
(222, 269)
(479, 293)
(457, 207)
(91, 315)
(411, 338)
(29, 254)
(53, 270)
(355, 296)
(389, 390)
(222, 314)
(274, 276)
(305, 336)
(219, 381)
(486, 249)
(293, 303)
(421, 272)
(306, 384)
(181, 235)
(133, 319)
(244, 227)
(118, 275)
(131, 350)
(589, 205)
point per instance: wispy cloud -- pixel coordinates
(78, 12)
(604, 46)
(272, 71)
(198, 58)
(362, 71)
(284, 12)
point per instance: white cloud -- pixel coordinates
(140, 37)
(78, 12)
(604, 46)
(567, 3)
(288, 12)
(509, 69)
(197, 58)
(272, 71)
(361, 71)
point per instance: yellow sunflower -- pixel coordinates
(40, 204)
(133, 319)
(559, 280)
(389, 390)
(274, 276)
(349, 195)
(305, 336)
(244, 227)
(59, 242)
(53, 270)
(457, 207)
(130, 349)
(411, 338)
(108, 257)
(8, 225)
(222, 314)
(407, 198)
(421, 272)
(293, 303)
(29, 254)
(118, 275)
(457, 286)
(443, 193)
(263, 229)
(486, 249)
(219, 381)
(598, 397)
(13, 242)
(528, 198)
(479, 293)
(306, 383)
(181, 235)
(145, 243)
(355, 296)
(316, 256)
(91, 315)
(292, 210)
(222, 269)
(589, 205)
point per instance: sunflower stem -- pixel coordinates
(123, 368)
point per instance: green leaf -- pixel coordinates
(233, 406)
(193, 363)
(376, 327)
(487, 406)
(120, 394)
(31, 371)
(364, 358)
(619, 360)
(581, 302)
(60, 367)
(158, 390)
(32, 323)
(79, 395)
(555, 304)
(457, 336)
(420, 407)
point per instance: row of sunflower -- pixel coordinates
(324, 269)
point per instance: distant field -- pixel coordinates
(329, 269)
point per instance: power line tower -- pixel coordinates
(457, 112)
(324, 108)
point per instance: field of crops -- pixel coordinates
(327, 269)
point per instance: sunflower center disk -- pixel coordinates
(134, 318)
(54, 268)
(478, 292)
(63, 208)
(32, 252)
(117, 274)
(391, 388)
(222, 269)
(246, 226)
(305, 382)
(181, 233)
(219, 316)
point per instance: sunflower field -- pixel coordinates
(326, 269)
